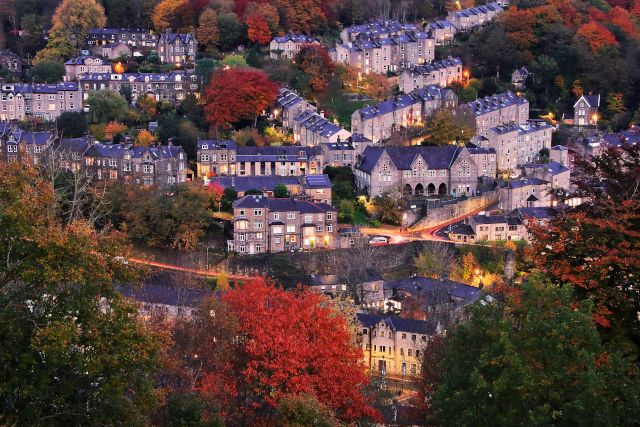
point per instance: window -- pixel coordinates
(258, 225)
(241, 237)
(276, 239)
(291, 215)
(308, 218)
(404, 336)
(113, 174)
(204, 158)
(413, 368)
(12, 148)
(330, 228)
(417, 353)
(257, 212)
(277, 229)
(259, 236)
(258, 247)
(291, 228)
(409, 352)
(329, 215)
(276, 215)
(113, 162)
(401, 351)
(413, 337)
(147, 169)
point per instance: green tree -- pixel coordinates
(231, 31)
(107, 106)
(445, 128)
(281, 191)
(71, 124)
(72, 350)
(304, 411)
(535, 359)
(47, 72)
(71, 21)
(388, 209)
(204, 68)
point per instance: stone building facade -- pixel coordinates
(422, 171)
(266, 225)
(290, 105)
(289, 45)
(85, 64)
(495, 110)
(19, 101)
(442, 73)
(169, 87)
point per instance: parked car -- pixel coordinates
(379, 241)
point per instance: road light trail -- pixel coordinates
(197, 271)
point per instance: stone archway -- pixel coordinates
(407, 190)
(419, 191)
(431, 189)
(442, 189)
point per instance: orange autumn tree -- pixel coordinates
(145, 138)
(260, 344)
(315, 62)
(237, 94)
(596, 35)
(595, 247)
(175, 14)
(114, 128)
(258, 30)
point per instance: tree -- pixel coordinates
(304, 410)
(148, 107)
(175, 14)
(595, 248)
(145, 138)
(114, 128)
(237, 94)
(388, 209)
(596, 36)
(71, 21)
(106, 106)
(437, 260)
(531, 360)
(248, 370)
(47, 72)
(258, 30)
(71, 124)
(231, 31)
(72, 350)
(222, 282)
(207, 33)
(281, 191)
(444, 128)
(315, 62)
(268, 11)
(204, 69)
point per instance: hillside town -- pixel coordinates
(330, 214)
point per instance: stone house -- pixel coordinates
(113, 50)
(443, 31)
(21, 100)
(170, 87)
(495, 110)
(266, 225)
(393, 345)
(528, 192)
(174, 48)
(558, 175)
(442, 73)
(468, 19)
(384, 46)
(316, 188)
(69, 152)
(17, 145)
(420, 171)
(496, 227)
(585, 111)
(11, 61)
(378, 122)
(159, 165)
(516, 144)
(216, 157)
(290, 105)
(85, 64)
(312, 129)
(519, 78)
(289, 45)
(339, 154)
(135, 38)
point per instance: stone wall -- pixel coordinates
(439, 216)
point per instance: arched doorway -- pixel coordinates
(431, 189)
(407, 190)
(442, 190)
(419, 190)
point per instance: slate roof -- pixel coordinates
(39, 87)
(287, 98)
(553, 167)
(436, 157)
(315, 123)
(496, 219)
(80, 60)
(462, 228)
(592, 100)
(387, 106)
(358, 137)
(110, 31)
(540, 213)
(275, 154)
(399, 324)
(245, 183)
(140, 77)
(296, 38)
(435, 290)
(78, 145)
(171, 38)
(119, 150)
(37, 138)
(629, 136)
(381, 27)
(282, 205)
(316, 181)
(435, 66)
(523, 182)
(494, 102)
(216, 144)
(530, 126)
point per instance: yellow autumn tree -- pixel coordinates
(71, 21)
(145, 138)
(175, 14)
(222, 282)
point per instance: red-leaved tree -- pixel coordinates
(596, 35)
(258, 30)
(282, 343)
(237, 94)
(315, 62)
